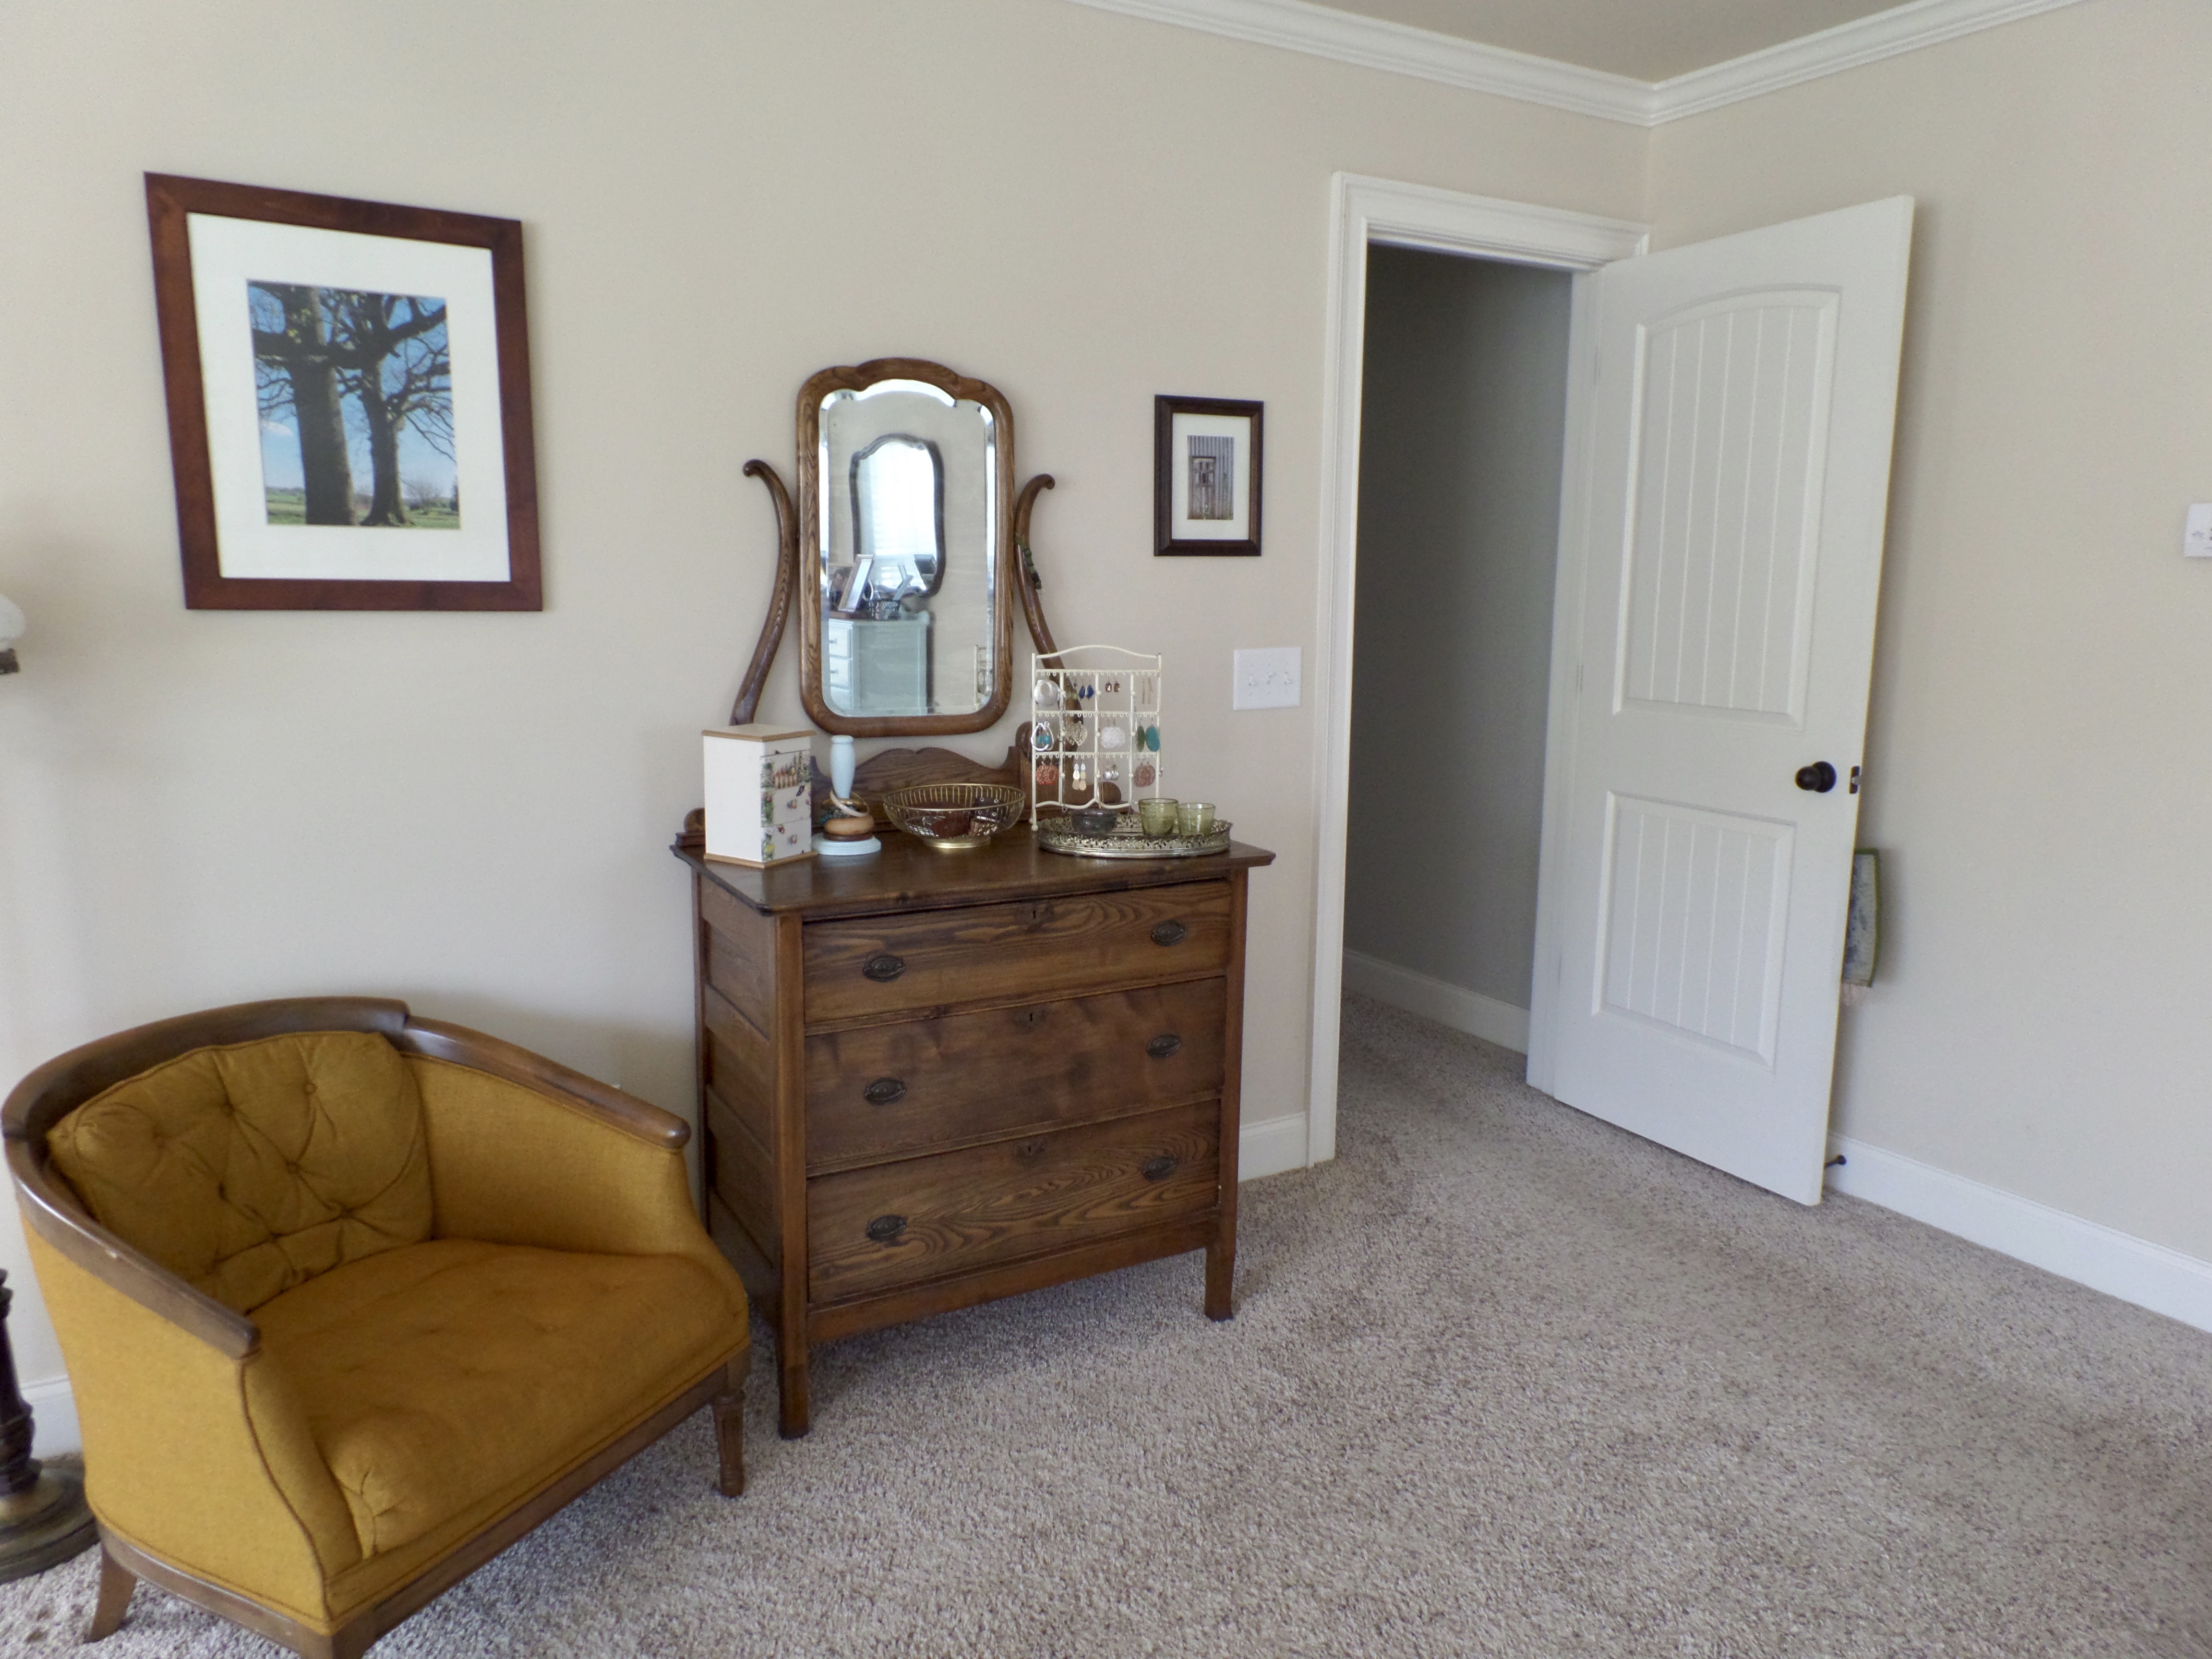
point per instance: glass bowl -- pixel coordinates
(950, 815)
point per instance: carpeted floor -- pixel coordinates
(1504, 1381)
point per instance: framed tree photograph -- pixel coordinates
(348, 391)
(1205, 476)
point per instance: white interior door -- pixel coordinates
(1737, 488)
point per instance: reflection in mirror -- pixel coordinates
(898, 514)
(908, 550)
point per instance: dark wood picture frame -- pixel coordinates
(169, 201)
(1165, 540)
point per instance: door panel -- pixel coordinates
(1694, 922)
(1739, 441)
(1726, 458)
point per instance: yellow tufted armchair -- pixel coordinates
(351, 1301)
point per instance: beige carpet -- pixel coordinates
(1504, 1381)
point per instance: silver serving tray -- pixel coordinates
(1056, 834)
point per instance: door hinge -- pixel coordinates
(1855, 780)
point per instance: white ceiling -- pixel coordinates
(1645, 39)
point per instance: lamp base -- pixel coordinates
(847, 849)
(44, 1524)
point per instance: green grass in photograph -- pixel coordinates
(290, 506)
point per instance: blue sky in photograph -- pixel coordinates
(420, 462)
(280, 456)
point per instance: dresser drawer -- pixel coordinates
(898, 1224)
(879, 1091)
(1036, 948)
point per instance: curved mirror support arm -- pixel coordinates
(779, 607)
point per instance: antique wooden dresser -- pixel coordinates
(931, 1077)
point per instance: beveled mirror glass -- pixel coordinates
(905, 492)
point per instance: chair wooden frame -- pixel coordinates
(49, 1207)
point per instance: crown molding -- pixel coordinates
(1400, 49)
(1864, 41)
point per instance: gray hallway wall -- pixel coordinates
(1463, 418)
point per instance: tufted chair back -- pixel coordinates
(249, 1169)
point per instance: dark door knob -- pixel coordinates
(886, 968)
(1160, 1168)
(886, 1227)
(884, 1091)
(1819, 777)
(1166, 1046)
(1169, 933)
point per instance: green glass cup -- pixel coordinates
(1193, 817)
(1158, 816)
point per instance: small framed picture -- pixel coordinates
(1205, 476)
(349, 390)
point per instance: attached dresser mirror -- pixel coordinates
(906, 507)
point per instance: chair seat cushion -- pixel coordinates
(438, 1375)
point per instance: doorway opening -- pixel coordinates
(1462, 437)
(1369, 214)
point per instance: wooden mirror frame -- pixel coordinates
(795, 524)
(812, 396)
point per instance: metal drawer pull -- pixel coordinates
(886, 1227)
(884, 969)
(1160, 1168)
(1166, 1046)
(1170, 933)
(884, 1091)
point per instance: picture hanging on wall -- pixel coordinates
(349, 388)
(1205, 476)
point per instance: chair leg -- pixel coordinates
(730, 1434)
(116, 1583)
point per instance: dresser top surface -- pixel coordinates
(909, 874)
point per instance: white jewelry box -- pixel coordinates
(760, 793)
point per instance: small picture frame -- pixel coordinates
(1205, 476)
(349, 393)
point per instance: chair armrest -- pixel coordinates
(196, 1447)
(53, 1214)
(436, 1039)
(524, 1151)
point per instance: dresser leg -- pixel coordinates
(794, 1414)
(1220, 1270)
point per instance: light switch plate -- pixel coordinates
(1267, 678)
(2197, 543)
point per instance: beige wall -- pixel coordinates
(471, 813)
(1462, 431)
(2039, 764)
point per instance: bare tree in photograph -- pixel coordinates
(401, 377)
(297, 366)
(320, 354)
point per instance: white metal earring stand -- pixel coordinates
(1095, 725)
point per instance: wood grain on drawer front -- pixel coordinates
(878, 1091)
(1039, 948)
(924, 1217)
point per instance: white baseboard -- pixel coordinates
(2104, 1259)
(1271, 1147)
(53, 1417)
(1462, 1010)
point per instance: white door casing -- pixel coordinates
(1363, 212)
(1730, 518)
